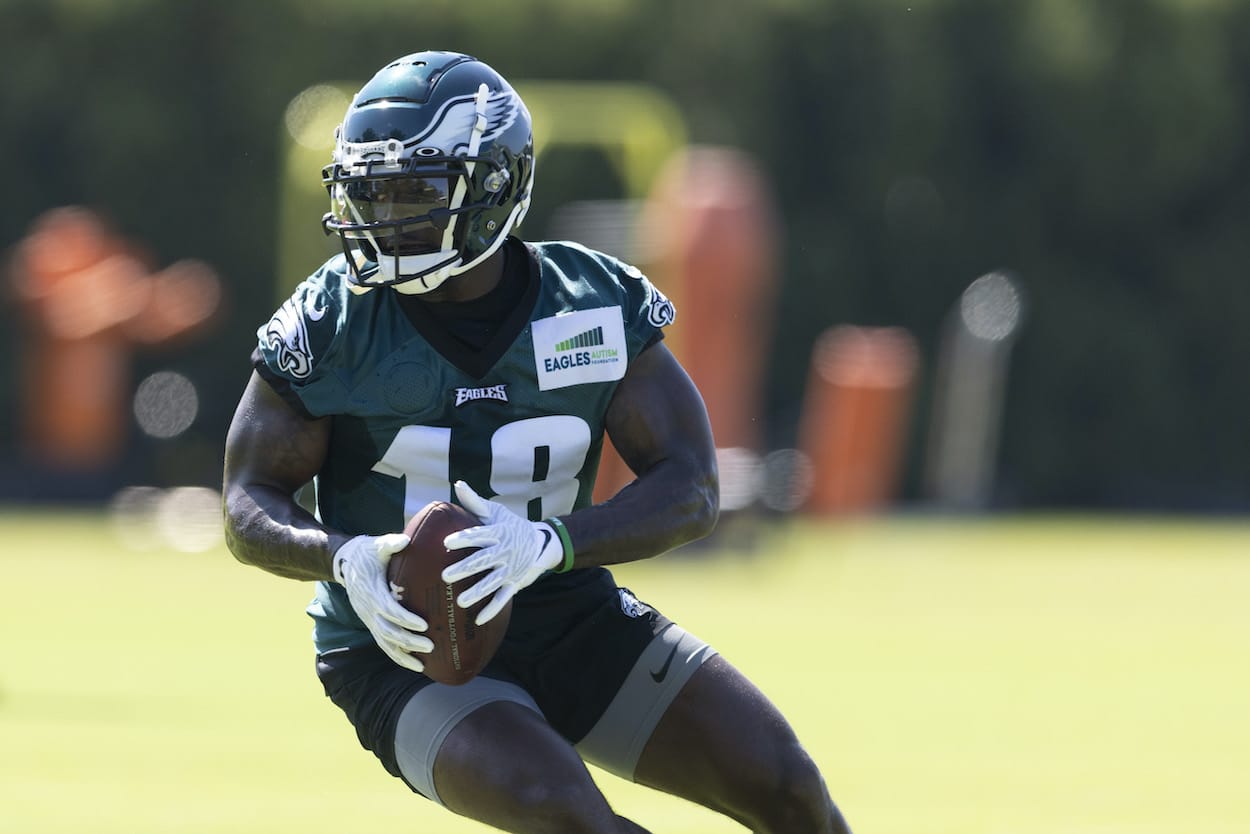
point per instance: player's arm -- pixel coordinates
(658, 424)
(272, 451)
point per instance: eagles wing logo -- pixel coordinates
(660, 311)
(287, 333)
(453, 125)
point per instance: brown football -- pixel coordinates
(461, 648)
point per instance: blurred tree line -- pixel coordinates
(1097, 150)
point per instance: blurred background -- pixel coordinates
(962, 281)
(997, 251)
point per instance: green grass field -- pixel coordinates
(972, 677)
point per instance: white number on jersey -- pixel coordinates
(534, 464)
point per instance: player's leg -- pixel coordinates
(686, 722)
(483, 749)
(723, 744)
(505, 766)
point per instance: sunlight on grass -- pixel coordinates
(1009, 676)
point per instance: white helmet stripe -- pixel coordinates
(462, 184)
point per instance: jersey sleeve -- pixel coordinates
(295, 348)
(646, 311)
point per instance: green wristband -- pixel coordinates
(565, 542)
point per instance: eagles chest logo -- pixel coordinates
(488, 392)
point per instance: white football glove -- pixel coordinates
(515, 551)
(360, 567)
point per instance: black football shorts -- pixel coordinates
(597, 663)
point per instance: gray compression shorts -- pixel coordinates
(614, 743)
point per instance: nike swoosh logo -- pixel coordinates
(546, 540)
(660, 675)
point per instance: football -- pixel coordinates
(461, 648)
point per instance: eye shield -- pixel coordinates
(404, 215)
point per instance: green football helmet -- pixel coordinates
(432, 169)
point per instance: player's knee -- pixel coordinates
(800, 784)
(791, 795)
(560, 806)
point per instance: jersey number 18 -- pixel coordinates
(533, 464)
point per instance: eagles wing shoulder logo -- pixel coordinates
(660, 311)
(287, 333)
(453, 125)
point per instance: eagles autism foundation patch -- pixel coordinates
(580, 347)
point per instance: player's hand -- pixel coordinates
(360, 567)
(514, 550)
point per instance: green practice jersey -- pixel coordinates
(413, 410)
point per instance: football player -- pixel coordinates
(440, 357)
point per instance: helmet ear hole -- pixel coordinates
(495, 181)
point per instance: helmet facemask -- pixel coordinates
(412, 214)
